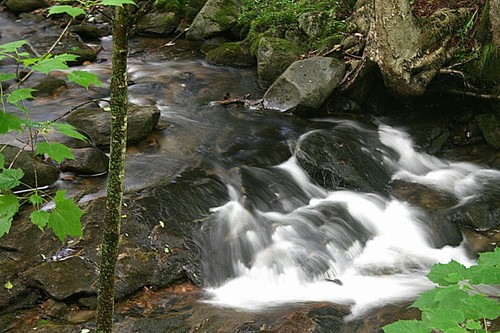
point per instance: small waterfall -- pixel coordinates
(283, 239)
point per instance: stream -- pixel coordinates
(281, 239)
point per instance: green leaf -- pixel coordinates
(443, 318)
(13, 46)
(72, 11)
(56, 63)
(8, 285)
(84, 79)
(407, 326)
(118, 3)
(65, 219)
(490, 258)
(40, 218)
(479, 306)
(9, 206)
(2, 162)
(9, 122)
(446, 274)
(483, 274)
(10, 178)
(35, 199)
(7, 76)
(70, 130)
(21, 94)
(472, 325)
(56, 151)
(455, 329)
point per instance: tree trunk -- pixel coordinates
(409, 52)
(112, 217)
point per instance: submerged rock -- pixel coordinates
(345, 157)
(96, 123)
(49, 87)
(305, 85)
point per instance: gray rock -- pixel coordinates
(36, 172)
(70, 44)
(24, 6)
(215, 17)
(88, 161)
(88, 33)
(96, 123)
(305, 85)
(158, 23)
(274, 55)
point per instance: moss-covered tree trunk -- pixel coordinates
(112, 217)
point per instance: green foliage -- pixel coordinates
(64, 220)
(282, 15)
(455, 305)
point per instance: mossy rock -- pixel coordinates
(490, 127)
(158, 23)
(88, 33)
(216, 17)
(231, 54)
(274, 55)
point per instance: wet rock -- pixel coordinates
(24, 6)
(231, 54)
(216, 17)
(36, 172)
(62, 279)
(96, 123)
(89, 33)
(305, 85)
(49, 87)
(80, 316)
(344, 157)
(274, 55)
(482, 214)
(489, 123)
(158, 23)
(88, 161)
(54, 309)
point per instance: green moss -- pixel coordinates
(226, 15)
(231, 54)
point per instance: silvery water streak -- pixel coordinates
(304, 243)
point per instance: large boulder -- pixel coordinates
(96, 123)
(24, 6)
(158, 23)
(305, 85)
(215, 17)
(36, 172)
(274, 55)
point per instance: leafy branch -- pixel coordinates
(457, 304)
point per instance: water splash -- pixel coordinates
(343, 246)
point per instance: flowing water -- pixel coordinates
(310, 244)
(281, 238)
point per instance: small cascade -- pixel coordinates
(283, 239)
